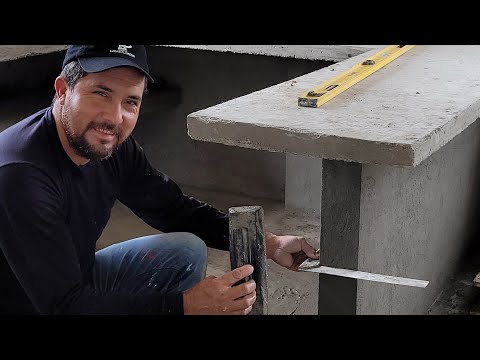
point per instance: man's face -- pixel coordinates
(100, 112)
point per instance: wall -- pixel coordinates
(417, 220)
(25, 75)
(26, 85)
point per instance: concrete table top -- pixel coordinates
(399, 115)
(311, 52)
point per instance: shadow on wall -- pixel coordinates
(472, 252)
(470, 256)
(34, 73)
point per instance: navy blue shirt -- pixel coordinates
(52, 212)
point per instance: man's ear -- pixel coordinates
(61, 88)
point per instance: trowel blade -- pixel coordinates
(310, 265)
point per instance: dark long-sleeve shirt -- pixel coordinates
(52, 212)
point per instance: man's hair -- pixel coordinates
(72, 72)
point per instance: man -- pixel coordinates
(61, 171)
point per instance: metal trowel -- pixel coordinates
(311, 265)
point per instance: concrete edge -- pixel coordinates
(334, 53)
(258, 137)
(434, 141)
(14, 52)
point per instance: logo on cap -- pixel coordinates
(123, 49)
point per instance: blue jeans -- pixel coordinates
(162, 262)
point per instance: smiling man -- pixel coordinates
(61, 171)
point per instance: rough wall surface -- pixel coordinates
(339, 237)
(415, 221)
(303, 184)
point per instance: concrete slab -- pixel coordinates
(13, 52)
(310, 52)
(399, 115)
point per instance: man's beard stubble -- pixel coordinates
(79, 143)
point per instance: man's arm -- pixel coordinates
(38, 247)
(159, 201)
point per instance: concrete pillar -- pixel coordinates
(303, 184)
(339, 237)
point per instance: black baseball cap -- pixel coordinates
(96, 58)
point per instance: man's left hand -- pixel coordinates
(288, 251)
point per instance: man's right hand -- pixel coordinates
(217, 295)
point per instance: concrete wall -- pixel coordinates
(22, 76)
(206, 78)
(26, 84)
(417, 220)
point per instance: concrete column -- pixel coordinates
(303, 184)
(339, 238)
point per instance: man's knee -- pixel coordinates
(194, 245)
